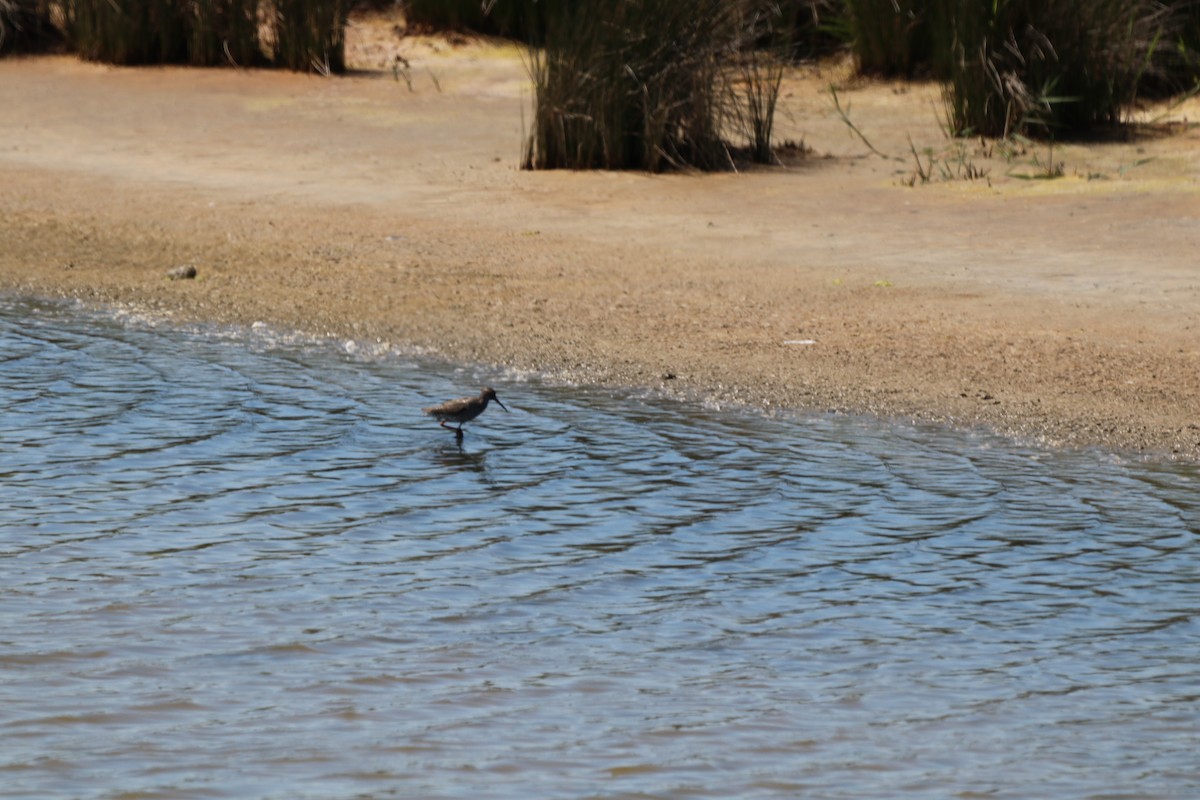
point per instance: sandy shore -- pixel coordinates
(1057, 310)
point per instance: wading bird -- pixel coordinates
(464, 409)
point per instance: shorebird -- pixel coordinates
(464, 409)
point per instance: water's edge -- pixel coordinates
(261, 334)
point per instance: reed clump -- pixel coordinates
(1045, 67)
(310, 35)
(127, 31)
(25, 26)
(1174, 63)
(225, 31)
(452, 15)
(652, 84)
(304, 35)
(523, 20)
(814, 28)
(890, 37)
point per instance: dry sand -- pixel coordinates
(1061, 311)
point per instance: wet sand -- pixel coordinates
(1060, 311)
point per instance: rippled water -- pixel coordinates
(242, 567)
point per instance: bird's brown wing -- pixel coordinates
(448, 407)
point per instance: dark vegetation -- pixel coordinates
(660, 84)
(652, 84)
(1035, 67)
(25, 26)
(891, 37)
(1040, 68)
(516, 19)
(293, 34)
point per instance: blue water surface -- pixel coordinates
(240, 564)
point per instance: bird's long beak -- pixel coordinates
(501, 404)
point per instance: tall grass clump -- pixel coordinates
(1187, 43)
(763, 48)
(1174, 63)
(814, 28)
(224, 31)
(516, 19)
(25, 26)
(304, 35)
(650, 84)
(1045, 67)
(891, 37)
(453, 15)
(311, 34)
(127, 31)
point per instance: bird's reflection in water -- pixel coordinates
(454, 454)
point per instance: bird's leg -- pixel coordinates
(458, 432)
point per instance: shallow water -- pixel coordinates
(241, 566)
